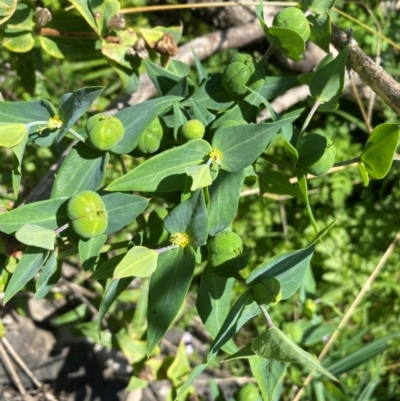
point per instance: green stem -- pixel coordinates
(240, 278)
(29, 125)
(76, 135)
(275, 160)
(166, 248)
(124, 170)
(309, 117)
(266, 315)
(267, 54)
(347, 162)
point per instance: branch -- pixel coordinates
(370, 72)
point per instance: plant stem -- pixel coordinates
(267, 54)
(166, 248)
(76, 135)
(309, 117)
(347, 162)
(62, 228)
(29, 125)
(266, 315)
(240, 278)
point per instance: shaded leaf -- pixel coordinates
(89, 249)
(48, 277)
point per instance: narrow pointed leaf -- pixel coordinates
(83, 168)
(274, 344)
(268, 374)
(112, 292)
(224, 199)
(169, 285)
(277, 183)
(27, 267)
(89, 249)
(213, 303)
(75, 105)
(106, 270)
(48, 277)
(164, 172)
(241, 145)
(190, 217)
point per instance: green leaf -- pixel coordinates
(73, 105)
(364, 173)
(190, 217)
(201, 113)
(137, 118)
(317, 6)
(28, 112)
(164, 172)
(122, 209)
(277, 183)
(47, 214)
(89, 249)
(328, 81)
(169, 285)
(106, 270)
(37, 236)
(112, 292)
(179, 119)
(83, 168)
(379, 150)
(362, 355)
(268, 374)
(48, 277)
(163, 80)
(289, 42)
(7, 9)
(24, 64)
(138, 262)
(11, 134)
(321, 30)
(201, 176)
(241, 145)
(30, 263)
(17, 163)
(289, 268)
(178, 68)
(241, 312)
(224, 196)
(274, 344)
(180, 366)
(83, 7)
(212, 95)
(103, 12)
(18, 41)
(201, 71)
(213, 304)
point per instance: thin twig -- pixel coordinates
(351, 310)
(21, 363)
(11, 370)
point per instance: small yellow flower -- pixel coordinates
(216, 156)
(181, 239)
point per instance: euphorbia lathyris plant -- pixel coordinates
(199, 146)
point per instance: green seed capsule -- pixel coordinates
(150, 140)
(267, 291)
(104, 131)
(88, 214)
(235, 77)
(192, 129)
(294, 19)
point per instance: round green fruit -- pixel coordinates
(245, 59)
(316, 154)
(267, 291)
(104, 131)
(227, 254)
(88, 214)
(192, 129)
(150, 140)
(258, 76)
(249, 392)
(235, 77)
(294, 19)
(225, 243)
